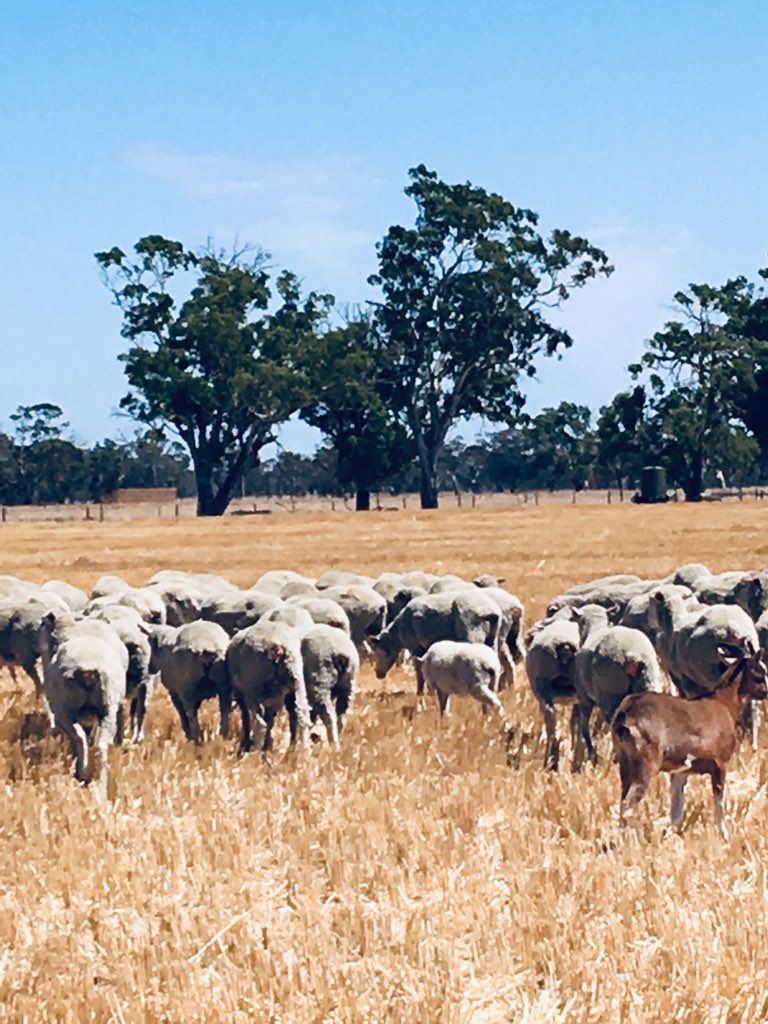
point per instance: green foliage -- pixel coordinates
(218, 368)
(696, 369)
(348, 378)
(39, 422)
(465, 297)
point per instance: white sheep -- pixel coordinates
(451, 668)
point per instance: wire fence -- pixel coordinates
(186, 508)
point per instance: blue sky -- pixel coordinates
(292, 125)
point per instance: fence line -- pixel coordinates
(185, 508)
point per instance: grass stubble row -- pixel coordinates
(410, 876)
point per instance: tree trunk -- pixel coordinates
(694, 485)
(428, 490)
(210, 501)
(362, 499)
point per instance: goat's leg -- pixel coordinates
(677, 799)
(636, 777)
(552, 748)
(718, 792)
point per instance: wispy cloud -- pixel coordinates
(312, 210)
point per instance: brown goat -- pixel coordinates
(657, 732)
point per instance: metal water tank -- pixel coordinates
(653, 485)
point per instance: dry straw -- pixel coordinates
(412, 876)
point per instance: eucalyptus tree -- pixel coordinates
(466, 297)
(219, 367)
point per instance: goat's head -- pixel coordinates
(750, 665)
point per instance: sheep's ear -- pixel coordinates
(730, 653)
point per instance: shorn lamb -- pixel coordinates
(658, 732)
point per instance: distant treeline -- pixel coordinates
(560, 448)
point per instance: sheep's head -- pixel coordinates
(383, 656)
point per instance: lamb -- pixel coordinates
(464, 615)
(549, 664)
(655, 732)
(612, 662)
(331, 665)
(451, 668)
(191, 660)
(266, 670)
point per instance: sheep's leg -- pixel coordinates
(246, 742)
(195, 732)
(138, 713)
(293, 718)
(80, 748)
(756, 715)
(444, 702)
(718, 792)
(225, 711)
(419, 680)
(508, 672)
(489, 701)
(677, 798)
(584, 739)
(104, 736)
(327, 714)
(120, 729)
(268, 719)
(343, 700)
(552, 748)
(181, 708)
(30, 667)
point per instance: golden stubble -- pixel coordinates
(411, 876)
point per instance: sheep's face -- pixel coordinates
(383, 659)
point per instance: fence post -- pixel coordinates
(573, 499)
(536, 497)
(177, 509)
(87, 512)
(5, 513)
(609, 496)
(101, 511)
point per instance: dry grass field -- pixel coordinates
(413, 876)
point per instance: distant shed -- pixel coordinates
(138, 495)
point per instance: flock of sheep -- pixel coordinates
(295, 643)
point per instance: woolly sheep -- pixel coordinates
(452, 668)
(549, 665)
(191, 660)
(612, 661)
(323, 611)
(266, 670)
(463, 615)
(238, 610)
(331, 665)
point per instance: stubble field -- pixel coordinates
(412, 876)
